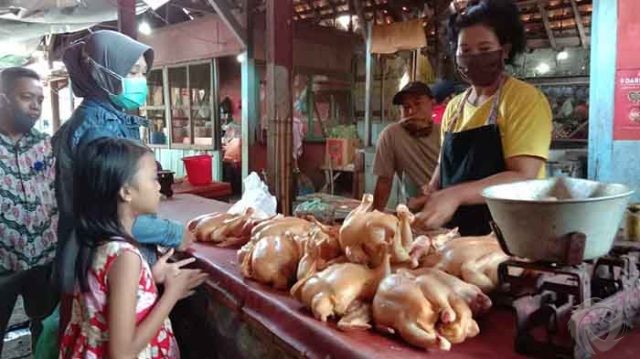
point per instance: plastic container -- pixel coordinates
(198, 169)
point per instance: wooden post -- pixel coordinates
(127, 18)
(250, 90)
(279, 101)
(216, 126)
(368, 85)
(54, 87)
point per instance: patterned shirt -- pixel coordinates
(87, 335)
(28, 211)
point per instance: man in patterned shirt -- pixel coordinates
(28, 211)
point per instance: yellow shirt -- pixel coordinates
(524, 119)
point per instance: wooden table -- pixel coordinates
(231, 317)
(220, 191)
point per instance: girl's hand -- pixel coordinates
(439, 209)
(163, 269)
(182, 284)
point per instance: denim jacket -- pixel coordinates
(96, 118)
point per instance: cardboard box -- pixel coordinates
(340, 151)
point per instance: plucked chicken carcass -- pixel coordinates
(428, 307)
(276, 226)
(285, 248)
(400, 306)
(456, 302)
(223, 229)
(474, 259)
(365, 234)
(274, 260)
(340, 291)
(321, 250)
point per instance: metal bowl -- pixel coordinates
(534, 215)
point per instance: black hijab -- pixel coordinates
(108, 49)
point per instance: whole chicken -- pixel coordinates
(431, 278)
(321, 250)
(400, 306)
(453, 299)
(365, 234)
(474, 259)
(276, 226)
(273, 260)
(223, 229)
(340, 288)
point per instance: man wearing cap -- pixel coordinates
(408, 148)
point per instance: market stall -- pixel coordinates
(236, 317)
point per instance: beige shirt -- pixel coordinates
(397, 151)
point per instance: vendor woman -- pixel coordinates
(498, 131)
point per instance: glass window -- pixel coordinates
(201, 106)
(154, 111)
(154, 81)
(179, 94)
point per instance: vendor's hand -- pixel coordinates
(429, 189)
(417, 203)
(163, 269)
(183, 283)
(188, 238)
(438, 210)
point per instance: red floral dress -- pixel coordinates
(87, 334)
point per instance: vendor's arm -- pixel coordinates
(381, 193)
(519, 168)
(149, 229)
(527, 138)
(384, 167)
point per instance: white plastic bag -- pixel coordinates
(256, 195)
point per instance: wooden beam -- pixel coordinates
(127, 23)
(223, 10)
(360, 13)
(316, 12)
(547, 26)
(579, 24)
(279, 35)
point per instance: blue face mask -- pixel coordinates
(134, 93)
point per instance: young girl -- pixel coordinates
(117, 312)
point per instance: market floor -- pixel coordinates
(17, 340)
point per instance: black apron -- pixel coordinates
(469, 156)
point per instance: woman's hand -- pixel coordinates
(439, 209)
(188, 238)
(163, 269)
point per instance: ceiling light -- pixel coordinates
(405, 8)
(543, 68)
(188, 13)
(562, 55)
(241, 57)
(144, 28)
(343, 21)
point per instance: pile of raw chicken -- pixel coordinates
(368, 272)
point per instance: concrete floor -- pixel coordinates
(17, 341)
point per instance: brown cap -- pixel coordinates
(414, 88)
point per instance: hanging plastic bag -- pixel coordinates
(256, 195)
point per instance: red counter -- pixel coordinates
(287, 324)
